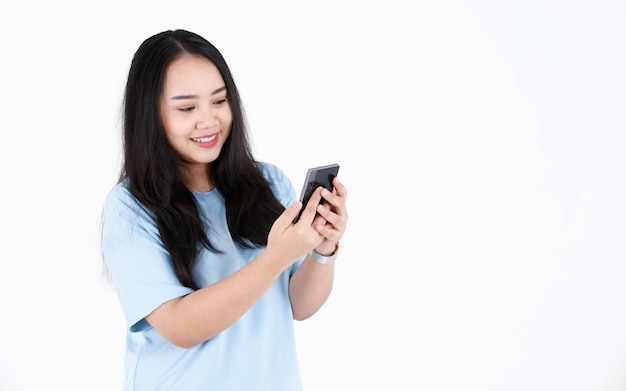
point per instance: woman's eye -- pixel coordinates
(220, 101)
(186, 109)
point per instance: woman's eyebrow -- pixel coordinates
(181, 97)
(222, 88)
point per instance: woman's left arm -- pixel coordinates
(311, 284)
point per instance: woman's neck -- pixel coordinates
(197, 178)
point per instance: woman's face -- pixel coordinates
(195, 111)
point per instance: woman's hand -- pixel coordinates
(332, 217)
(288, 242)
(320, 226)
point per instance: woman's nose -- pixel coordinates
(207, 120)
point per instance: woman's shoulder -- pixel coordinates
(118, 192)
(279, 182)
(120, 198)
(271, 171)
(122, 208)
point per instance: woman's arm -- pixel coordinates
(202, 314)
(310, 287)
(311, 284)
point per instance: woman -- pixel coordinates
(198, 236)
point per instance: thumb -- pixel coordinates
(289, 215)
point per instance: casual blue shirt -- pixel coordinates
(257, 352)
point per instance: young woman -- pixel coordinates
(198, 236)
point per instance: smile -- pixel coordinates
(204, 139)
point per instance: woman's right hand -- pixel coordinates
(288, 242)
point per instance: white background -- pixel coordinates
(482, 143)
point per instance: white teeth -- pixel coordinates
(204, 139)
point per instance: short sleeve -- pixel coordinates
(139, 264)
(281, 184)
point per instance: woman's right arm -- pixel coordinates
(194, 318)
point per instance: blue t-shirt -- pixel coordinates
(257, 352)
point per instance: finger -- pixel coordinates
(339, 189)
(334, 202)
(336, 219)
(338, 195)
(319, 220)
(308, 214)
(289, 214)
(329, 232)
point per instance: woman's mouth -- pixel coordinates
(204, 139)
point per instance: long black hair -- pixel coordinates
(154, 169)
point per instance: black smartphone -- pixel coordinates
(317, 176)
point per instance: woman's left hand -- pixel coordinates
(332, 217)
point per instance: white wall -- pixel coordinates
(482, 143)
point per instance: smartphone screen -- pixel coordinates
(317, 176)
